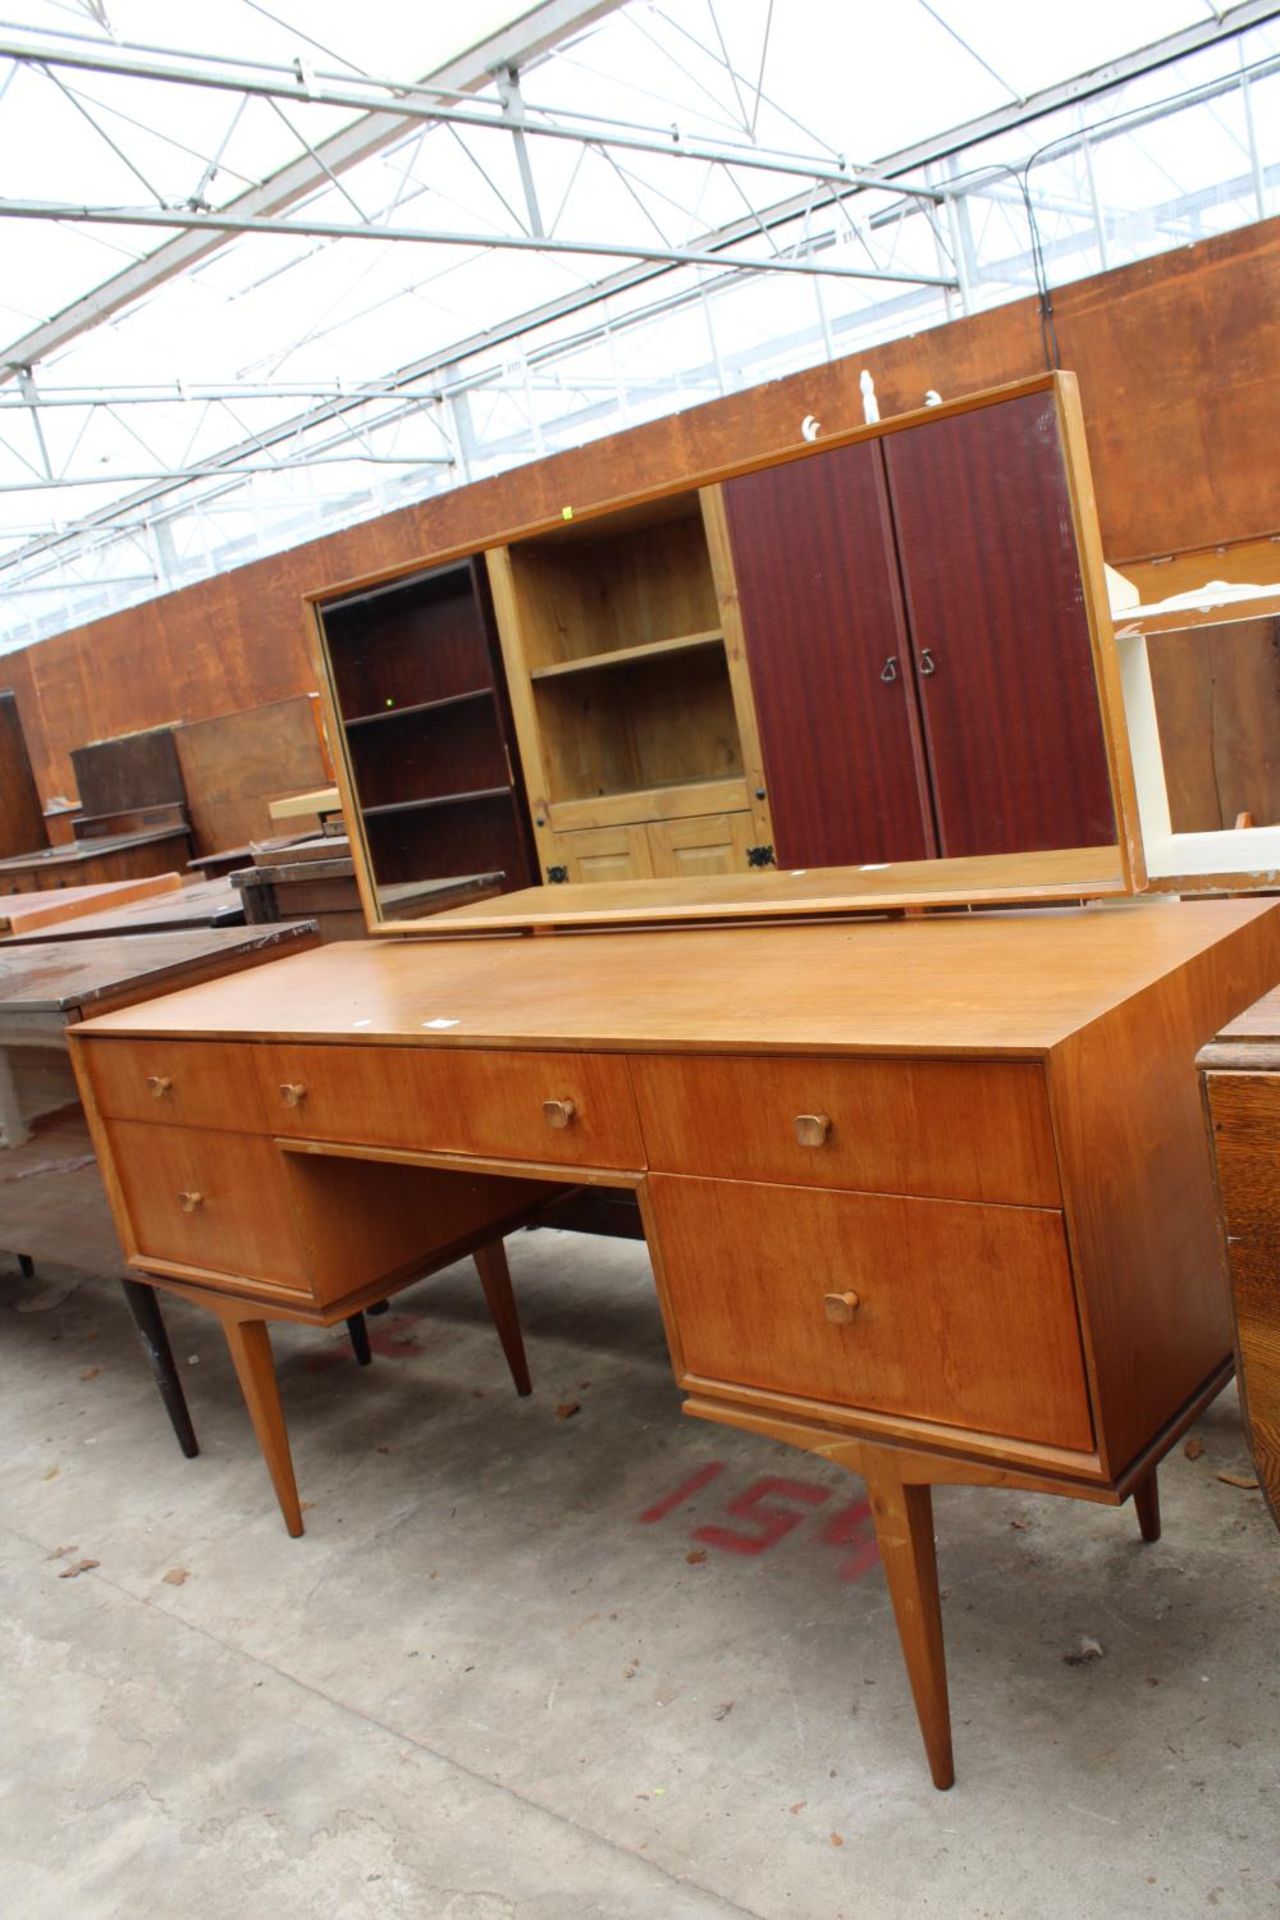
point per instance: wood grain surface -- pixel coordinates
(746, 1269)
(1017, 983)
(1244, 1115)
(1001, 640)
(22, 823)
(823, 623)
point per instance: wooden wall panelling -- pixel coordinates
(22, 828)
(999, 631)
(823, 623)
(233, 766)
(1217, 695)
(1178, 360)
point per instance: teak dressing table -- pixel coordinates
(929, 1197)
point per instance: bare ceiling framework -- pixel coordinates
(575, 209)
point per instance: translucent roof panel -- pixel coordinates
(650, 202)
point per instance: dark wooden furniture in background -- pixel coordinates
(831, 663)
(316, 880)
(125, 856)
(133, 770)
(1241, 1070)
(1216, 681)
(36, 912)
(233, 766)
(897, 1177)
(919, 643)
(60, 822)
(422, 717)
(45, 1150)
(22, 824)
(992, 575)
(171, 909)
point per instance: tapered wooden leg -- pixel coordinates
(495, 1278)
(904, 1534)
(145, 1308)
(26, 1266)
(360, 1339)
(250, 1345)
(1146, 1499)
(379, 1306)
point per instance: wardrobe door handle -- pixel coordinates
(840, 1307)
(928, 664)
(190, 1201)
(889, 671)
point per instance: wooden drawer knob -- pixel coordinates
(812, 1129)
(558, 1113)
(840, 1307)
(293, 1093)
(160, 1084)
(190, 1201)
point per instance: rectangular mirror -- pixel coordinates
(879, 666)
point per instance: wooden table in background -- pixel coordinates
(200, 903)
(126, 856)
(39, 912)
(44, 989)
(317, 881)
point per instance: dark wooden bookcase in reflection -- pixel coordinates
(426, 730)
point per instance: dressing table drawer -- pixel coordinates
(191, 1083)
(952, 1129)
(215, 1201)
(931, 1310)
(574, 1109)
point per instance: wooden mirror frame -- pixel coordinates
(941, 883)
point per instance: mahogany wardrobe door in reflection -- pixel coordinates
(830, 663)
(996, 610)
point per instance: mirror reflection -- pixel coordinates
(877, 652)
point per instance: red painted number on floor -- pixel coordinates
(771, 1509)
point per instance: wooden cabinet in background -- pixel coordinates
(630, 691)
(831, 663)
(664, 850)
(992, 576)
(22, 825)
(914, 615)
(426, 731)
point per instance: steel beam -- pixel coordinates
(430, 104)
(303, 228)
(542, 27)
(180, 477)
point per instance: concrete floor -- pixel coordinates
(484, 1688)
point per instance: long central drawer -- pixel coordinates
(573, 1109)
